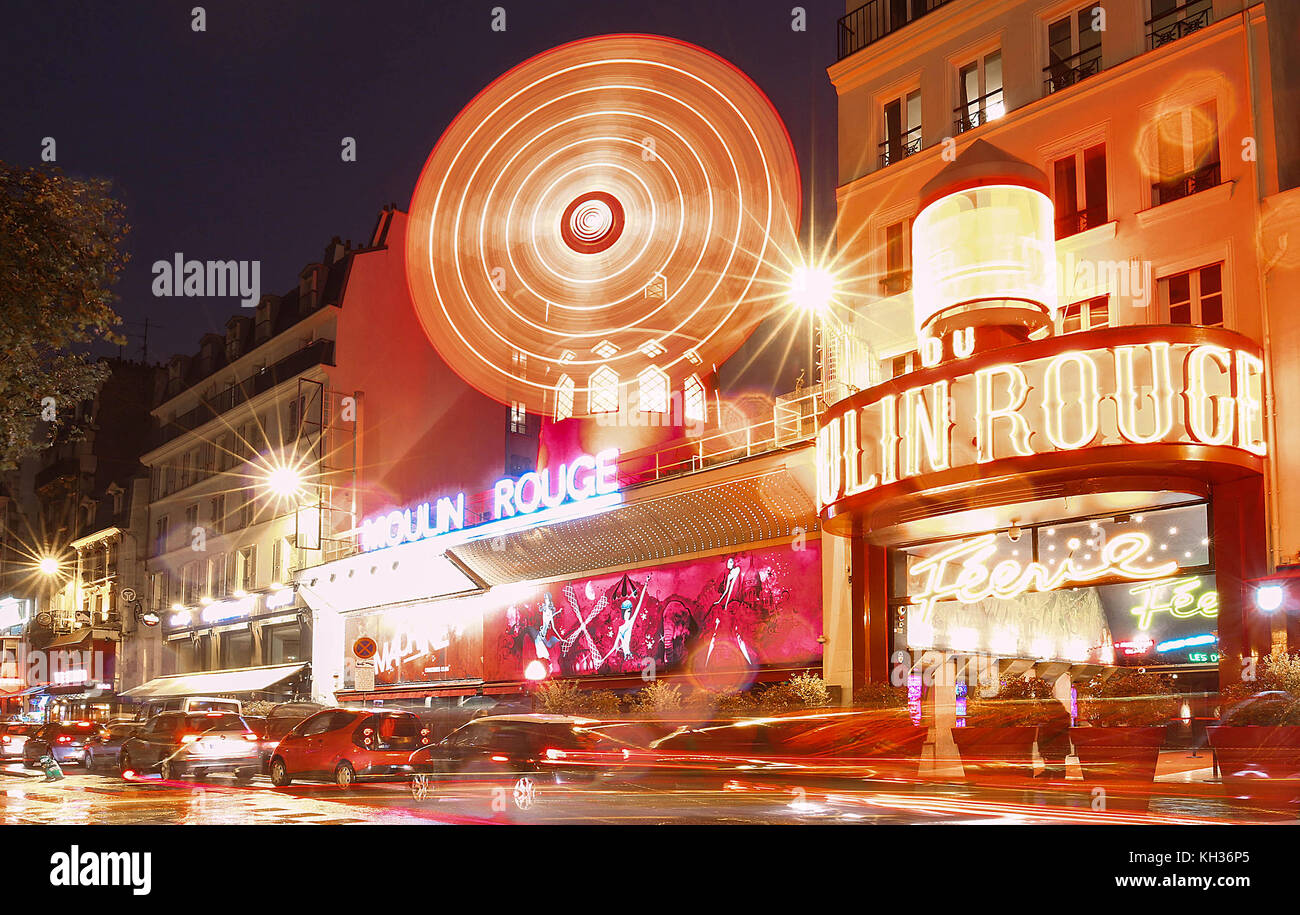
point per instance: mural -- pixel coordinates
(724, 614)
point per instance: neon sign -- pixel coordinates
(1191, 641)
(1181, 601)
(584, 478)
(1146, 393)
(960, 573)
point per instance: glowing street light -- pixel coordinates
(812, 288)
(1269, 597)
(285, 482)
(48, 565)
(535, 670)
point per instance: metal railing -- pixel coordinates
(1178, 22)
(896, 282)
(900, 147)
(1184, 186)
(1068, 224)
(988, 107)
(1073, 69)
(877, 18)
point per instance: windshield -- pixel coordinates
(205, 723)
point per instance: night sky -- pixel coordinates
(226, 143)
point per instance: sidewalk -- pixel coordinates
(1181, 768)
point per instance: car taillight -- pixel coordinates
(189, 738)
(501, 759)
(6, 739)
(64, 738)
(552, 753)
(250, 737)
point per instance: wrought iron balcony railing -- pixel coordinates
(1073, 69)
(1178, 22)
(1185, 185)
(988, 107)
(877, 18)
(1068, 224)
(899, 147)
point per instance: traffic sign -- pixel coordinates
(365, 647)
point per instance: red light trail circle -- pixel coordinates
(592, 223)
(616, 203)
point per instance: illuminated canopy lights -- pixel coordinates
(631, 190)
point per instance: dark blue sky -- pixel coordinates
(225, 144)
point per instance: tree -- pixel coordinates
(60, 254)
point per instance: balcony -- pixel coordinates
(1178, 22)
(877, 18)
(1068, 224)
(1185, 185)
(988, 107)
(1073, 69)
(319, 352)
(899, 147)
(896, 282)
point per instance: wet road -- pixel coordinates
(84, 798)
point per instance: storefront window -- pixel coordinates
(237, 649)
(1130, 588)
(283, 644)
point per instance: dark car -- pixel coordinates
(521, 752)
(176, 744)
(277, 724)
(66, 740)
(347, 744)
(13, 734)
(103, 750)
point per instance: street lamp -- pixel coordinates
(48, 565)
(812, 288)
(284, 482)
(1268, 598)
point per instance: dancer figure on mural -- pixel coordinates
(730, 591)
(541, 639)
(623, 637)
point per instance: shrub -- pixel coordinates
(880, 696)
(558, 697)
(1019, 702)
(600, 703)
(801, 691)
(658, 700)
(730, 704)
(1128, 698)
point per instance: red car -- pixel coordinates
(346, 744)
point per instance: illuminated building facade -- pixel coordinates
(1063, 443)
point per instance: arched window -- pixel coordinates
(653, 385)
(695, 405)
(602, 391)
(563, 398)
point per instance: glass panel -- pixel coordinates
(1094, 184)
(1099, 313)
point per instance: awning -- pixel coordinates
(68, 640)
(214, 683)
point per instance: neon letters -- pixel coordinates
(1181, 601)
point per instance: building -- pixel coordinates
(1059, 227)
(266, 439)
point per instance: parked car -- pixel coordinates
(521, 752)
(347, 744)
(192, 704)
(180, 743)
(66, 740)
(104, 748)
(13, 734)
(278, 722)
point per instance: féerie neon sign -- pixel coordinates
(1140, 394)
(583, 478)
(960, 573)
(1181, 601)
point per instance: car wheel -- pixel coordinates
(167, 769)
(344, 775)
(123, 763)
(525, 792)
(421, 786)
(280, 773)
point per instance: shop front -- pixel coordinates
(660, 583)
(1090, 500)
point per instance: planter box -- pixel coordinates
(1259, 762)
(1001, 752)
(1122, 759)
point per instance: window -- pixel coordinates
(1173, 19)
(191, 519)
(283, 644)
(159, 596)
(1187, 152)
(217, 510)
(201, 655)
(518, 418)
(695, 405)
(1073, 48)
(217, 576)
(237, 648)
(563, 398)
(901, 364)
(160, 536)
(246, 568)
(979, 89)
(902, 128)
(247, 507)
(603, 394)
(1088, 315)
(898, 258)
(652, 385)
(1195, 297)
(1080, 204)
(186, 478)
(277, 566)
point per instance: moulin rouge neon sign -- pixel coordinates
(584, 478)
(1173, 393)
(959, 572)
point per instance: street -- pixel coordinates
(107, 799)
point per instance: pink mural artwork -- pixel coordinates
(734, 612)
